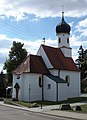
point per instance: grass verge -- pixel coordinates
(45, 103)
(17, 103)
(84, 108)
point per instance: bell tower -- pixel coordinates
(63, 32)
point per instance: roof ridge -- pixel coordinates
(49, 46)
(20, 63)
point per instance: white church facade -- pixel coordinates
(51, 74)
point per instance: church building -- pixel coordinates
(51, 74)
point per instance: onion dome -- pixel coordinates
(63, 27)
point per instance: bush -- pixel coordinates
(14, 99)
(78, 108)
(66, 107)
(35, 105)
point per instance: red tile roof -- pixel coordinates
(58, 60)
(32, 64)
(35, 64)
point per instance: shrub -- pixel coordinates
(66, 107)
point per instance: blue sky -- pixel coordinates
(28, 21)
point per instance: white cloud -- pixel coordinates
(30, 46)
(82, 27)
(34, 20)
(42, 8)
(74, 41)
(84, 32)
(1, 67)
(75, 54)
(83, 23)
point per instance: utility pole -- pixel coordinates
(42, 93)
(29, 95)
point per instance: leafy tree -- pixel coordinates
(16, 56)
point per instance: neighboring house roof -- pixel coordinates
(58, 60)
(56, 78)
(32, 64)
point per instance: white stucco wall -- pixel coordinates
(65, 91)
(66, 51)
(15, 80)
(32, 81)
(74, 88)
(49, 94)
(44, 56)
(55, 72)
(62, 91)
(26, 81)
(63, 37)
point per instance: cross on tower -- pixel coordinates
(44, 41)
(62, 8)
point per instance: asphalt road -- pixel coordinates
(7, 113)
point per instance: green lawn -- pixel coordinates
(45, 103)
(17, 103)
(84, 108)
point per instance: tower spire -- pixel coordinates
(63, 32)
(62, 12)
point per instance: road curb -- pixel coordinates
(26, 109)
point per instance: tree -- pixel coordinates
(82, 64)
(16, 56)
(2, 85)
(80, 60)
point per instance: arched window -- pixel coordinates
(67, 79)
(40, 82)
(49, 86)
(18, 76)
(67, 40)
(59, 40)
